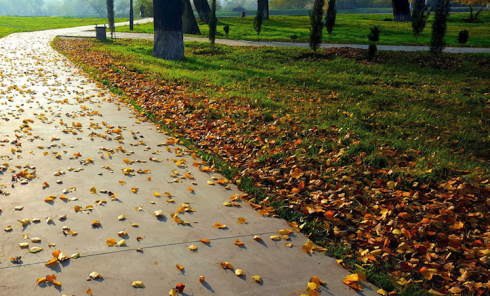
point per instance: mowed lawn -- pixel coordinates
(14, 24)
(349, 28)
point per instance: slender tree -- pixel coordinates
(439, 26)
(169, 38)
(213, 24)
(258, 23)
(203, 10)
(401, 10)
(420, 15)
(263, 8)
(110, 17)
(331, 15)
(316, 24)
(189, 21)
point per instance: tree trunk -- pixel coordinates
(401, 10)
(263, 7)
(169, 39)
(203, 9)
(189, 21)
(110, 17)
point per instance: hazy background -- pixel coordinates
(98, 7)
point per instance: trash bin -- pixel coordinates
(100, 33)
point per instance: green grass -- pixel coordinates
(351, 28)
(403, 100)
(14, 24)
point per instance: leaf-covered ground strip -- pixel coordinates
(388, 157)
(14, 24)
(350, 28)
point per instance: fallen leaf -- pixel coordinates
(257, 278)
(138, 284)
(111, 242)
(219, 225)
(242, 220)
(93, 190)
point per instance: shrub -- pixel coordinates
(463, 36)
(258, 23)
(316, 24)
(374, 35)
(293, 37)
(372, 49)
(331, 15)
(226, 28)
(439, 26)
(420, 15)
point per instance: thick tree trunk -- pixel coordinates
(189, 21)
(169, 39)
(203, 9)
(263, 7)
(401, 10)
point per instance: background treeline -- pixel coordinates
(121, 7)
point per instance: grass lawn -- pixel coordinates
(382, 161)
(14, 24)
(350, 28)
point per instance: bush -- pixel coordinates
(463, 36)
(374, 35)
(258, 23)
(331, 15)
(226, 28)
(439, 26)
(420, 15)
(372, 49)
(293, 37)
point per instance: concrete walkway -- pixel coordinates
(124, 35)
(65, 138)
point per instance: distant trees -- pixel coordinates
(473, 17)
(290, 4)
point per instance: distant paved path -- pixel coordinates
(81, 33)
(62, 138)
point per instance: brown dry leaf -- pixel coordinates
(89, 291)
(239, 243)
(122, 182)
(242, 220)
(93, 190)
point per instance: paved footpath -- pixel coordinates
(65, 138)
(86, 33)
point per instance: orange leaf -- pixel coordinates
(111, 242)
(56, 253)
(89, 291)
(219, 225)
(52, 262)
(180, 267)
(205, 241)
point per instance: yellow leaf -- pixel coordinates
(382, 292)
(285, 231)
(111, 242)
(435, 293)
(180, 267)
(121, 243)
(275, 237)
(239, 272)
(122, 182)
(41, 280)
(219, 225)
(89, 291)
(93, 190)
(172, 292)
(138, 284)
(157, 194)
(257, 279)
(242, 220)
(24, 245)
(192, 248)
(35, 249)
